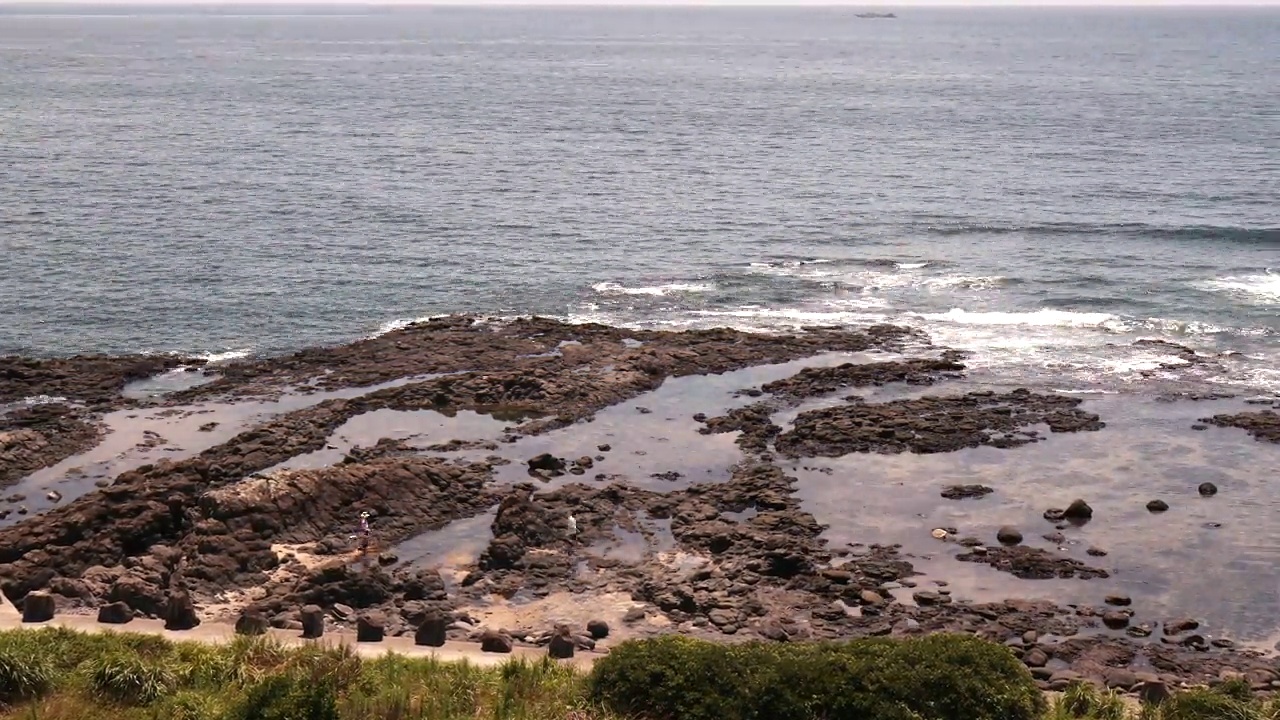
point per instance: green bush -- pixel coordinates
(1200, 704)
(938, 677)
(1082, 700)
(23, 676)
(292, 696)
(126, 678)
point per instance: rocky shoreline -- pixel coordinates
(257, 524)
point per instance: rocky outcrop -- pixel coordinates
(1263, 425)
(1031, 563)
(93, 380)
(40, 436)
(816, 381)
(933, 424)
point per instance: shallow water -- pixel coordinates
(1171, 562)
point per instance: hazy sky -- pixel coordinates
(851, 3)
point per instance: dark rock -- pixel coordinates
(1055, 514)
(1009, 535)
(180, 611)
(432, 632)
(604, 447)
(1153, 692)
(493, 641)
(252, 622)
(929, 597)
(312, 619)
(1035, 658)
(116, 613)
(1180, 625)
(1096, 552)
(562, 645)
(1157, 506)
(1116, 619)
(371, 627)
(1120, 679)
(870, 597)
(966, 492)
(1119, 600)
(598, 629)
(546, 461)
(37, 607)
(584, 643)
(1078, 510)
(634, 615)
(1207, 489)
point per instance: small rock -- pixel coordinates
(1139, 631)
(1008, 535)
(1116, 619)
(37, 607)
(388, 558)
(1207, 489)
(1078, 510)
(634, 615)
(252, 622)
(586, 462)
(966, 492)
(1096, 552)
(1120, 679)
(116, 613)
(929, 597)
(343, 612)
(546, 461)
(1035, 658)
(604, 448)
(870, 597)
(598, 629)
(1119, 600)
(1054, 514)
(492, 641)
(1179, 626)
(1157, 506)
(53, 496)
(1030, 637)
(1153, 692)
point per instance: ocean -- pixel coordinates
(1040, 187)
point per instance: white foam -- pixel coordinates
(401, 323)
(613, 288)
(911, 266)
(1046, 317)
(213, 358)
(1264, 288)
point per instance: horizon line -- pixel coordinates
(877, 4)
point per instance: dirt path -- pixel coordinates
(212, 633)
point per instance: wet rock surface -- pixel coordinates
(1263, 425)
(933, 424)
(727, 552)
(42, 435)
(91, 380)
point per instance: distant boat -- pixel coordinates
(876, 15)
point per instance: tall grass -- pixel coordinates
(58, 674)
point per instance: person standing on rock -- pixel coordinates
(364, 533)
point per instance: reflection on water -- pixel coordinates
(453, 548)
(1169, 562)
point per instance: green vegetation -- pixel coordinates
(58, 674)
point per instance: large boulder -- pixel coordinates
(312, 618)
(562, 644)
(371, 627)
(180, 612)
(141, 595)
(252, 622)
(432, 632)
(116, 613)
(492, 641)
(598, 629)
(38, 607)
